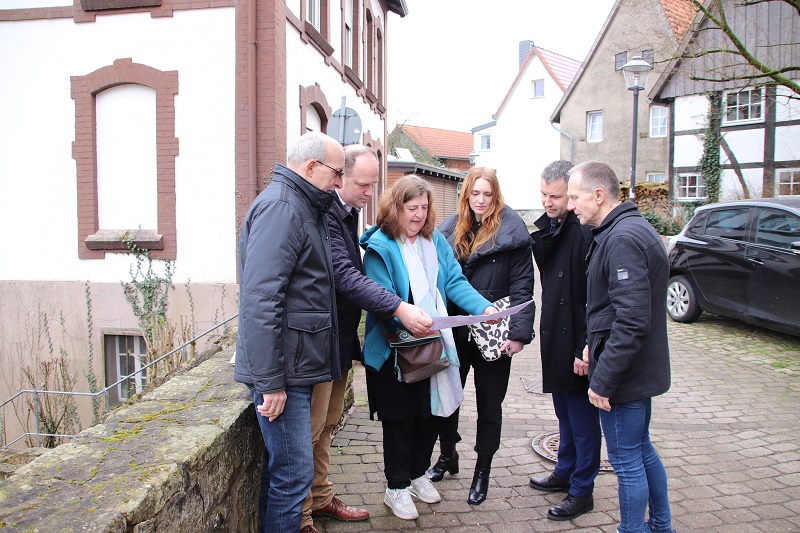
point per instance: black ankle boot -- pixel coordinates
(444, 464)
(480, 481)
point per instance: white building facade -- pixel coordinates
(520, 141)
(159, 119)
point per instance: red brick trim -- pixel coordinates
(38, 13)
(101, 5)
(84, 148)
(314, 97)
(318, 39)
(372, 205)
(369, 57)
(78, 14)
(270, 104)
(352, 77)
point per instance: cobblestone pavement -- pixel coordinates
(728, 431)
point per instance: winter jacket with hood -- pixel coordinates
(502, 267)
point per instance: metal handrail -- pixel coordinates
(104, 391)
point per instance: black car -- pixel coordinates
(741, 260)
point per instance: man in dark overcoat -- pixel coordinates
(560, 244)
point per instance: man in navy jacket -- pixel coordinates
(559, 247)
(288, 340)
(354, 292)
(627, 347)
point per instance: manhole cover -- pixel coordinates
(546, 445)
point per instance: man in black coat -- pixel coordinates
(354, 292)
(627, 352)
(559, 246)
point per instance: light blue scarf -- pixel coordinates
(422, 264)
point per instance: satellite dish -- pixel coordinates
(345, 126)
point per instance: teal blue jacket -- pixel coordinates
(383, 263)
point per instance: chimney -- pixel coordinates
(525, 48)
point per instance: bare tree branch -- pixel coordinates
(714, 12)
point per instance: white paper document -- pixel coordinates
(443, 322)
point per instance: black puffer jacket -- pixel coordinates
(354, 290)
(287, 310)
(503, 267)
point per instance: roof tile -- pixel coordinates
(441, 143)
(680, 13)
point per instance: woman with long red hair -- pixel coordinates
(493, 246)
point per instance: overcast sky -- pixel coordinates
(451, 62)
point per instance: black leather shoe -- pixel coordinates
(571, 507)
(444, 464)
(551, 483)
(480, 486)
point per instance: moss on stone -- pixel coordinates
(125, 434)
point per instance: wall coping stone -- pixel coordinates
(187, 457)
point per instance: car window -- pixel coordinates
(777, 228)
(728, 223)
(695, 226)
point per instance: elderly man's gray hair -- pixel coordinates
(309, 146)
(597, 175)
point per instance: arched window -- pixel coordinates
(314, 109)
(101, 178)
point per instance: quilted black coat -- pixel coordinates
(502, 267)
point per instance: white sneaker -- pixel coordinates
(401, 504)
(423, 489)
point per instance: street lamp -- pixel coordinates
(635, 71)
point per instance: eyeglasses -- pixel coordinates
(339, 173)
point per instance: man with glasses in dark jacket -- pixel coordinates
(288, 340)
(354, 292)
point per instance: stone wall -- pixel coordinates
(186, 458)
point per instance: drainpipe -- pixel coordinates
(251, 100)
(567, 135)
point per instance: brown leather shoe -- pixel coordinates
(339, 511)
(309, 529)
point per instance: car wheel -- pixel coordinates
(682, 303)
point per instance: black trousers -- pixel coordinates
(407, 448)
(491, 384)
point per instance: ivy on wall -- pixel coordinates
(710, 167)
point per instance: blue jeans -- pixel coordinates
(640, 472)
(288, 462)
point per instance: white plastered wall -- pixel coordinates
(37, 170)
(308, 67)
(523, 142)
